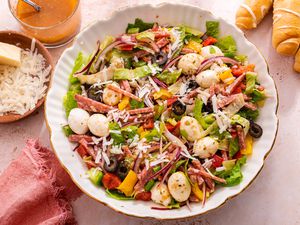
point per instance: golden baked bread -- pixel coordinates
(297, 62)
(251, 12)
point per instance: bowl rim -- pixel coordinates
(12, 117)
(153, 5)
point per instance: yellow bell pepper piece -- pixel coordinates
(199, 194)
(194, 46)
(249, 146)
(128, 183)
(140, 130)
(124, 103)
(144, 133)
(162, 94)
(172, 121)
(227, 77)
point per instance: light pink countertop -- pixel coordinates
(274, 196)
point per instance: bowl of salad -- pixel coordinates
(164, 107)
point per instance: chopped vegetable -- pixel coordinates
(95, 175)
(162, 94)
(134, 104)
(249, 146)
(140, 25)
(149, 185)
(250, 82)
(212, 28)
(117, 195)
(169, 77)
(67, 130)
(128, 183)
(233, 147)
(199, 194)
(115, 133)
(124, 103)
(129, 74)
(110, 181)
(227, 45)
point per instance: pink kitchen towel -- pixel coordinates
(35, 189)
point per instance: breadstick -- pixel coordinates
(286, 26)
(251, 13)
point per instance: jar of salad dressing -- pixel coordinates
(55, 24)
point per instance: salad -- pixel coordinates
(164, 113)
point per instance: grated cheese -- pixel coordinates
(22, 87)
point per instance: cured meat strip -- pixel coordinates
(141, 110)
(126, 93)
(78, 137)
(91, 105)
(141, 117)
(125, 85)
(241, 135)
(235, 84)
(87, 148)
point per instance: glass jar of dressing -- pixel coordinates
(55, 24)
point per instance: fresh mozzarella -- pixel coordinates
(160, 194)
(207, 78)
(179, 187)
(78, 120)
(190, 128)
(205, 147)
(98, 125)
(190, 63)
(211, 51)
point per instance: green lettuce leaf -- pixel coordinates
(129, 132)
(117, 195)
(154, 133)
(234, 176)
(129, 74)
(169, 77)
(249, 114)
(258, 95)
(115, 133)
(227, 45)
(67, 130)
(140, 24)
(212, 28)
(233, 147)
(250, 82)
(134, 104)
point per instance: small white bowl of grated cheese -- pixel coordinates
(25, 71)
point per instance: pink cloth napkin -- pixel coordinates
(35, 189)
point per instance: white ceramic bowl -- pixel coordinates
(116, 24)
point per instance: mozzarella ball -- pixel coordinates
(160, 194)
(179, 187)
(211, 51)
(207, 78)
(98, 125)
(190, 128)
(111, 97)
(78, 120)
(205, 147)
(190, 63)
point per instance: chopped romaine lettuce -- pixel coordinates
(134, 104)
(258, 96)
(154, 133)
(250, 82)
(198, 110)
(233, 147)
(158, 109)
(192, 31)
(115, 133)
(95, 175)
(128, 74)
(133, 30)
(129, 132)
(212, 28)
(140, 24)
(117, 195)
(227, 45)
(237, 119)
(145, 35)
(169, 77)
(241, 58)
(234, 176)
(67, 130)
(249, 114)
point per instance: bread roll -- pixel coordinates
(251, 12)
(286, 26)
(297, 62)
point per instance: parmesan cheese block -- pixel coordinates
(10, 55)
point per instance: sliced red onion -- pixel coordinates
(159, 82)
(137, 163)
(108, 48)
(169, 170)
(152, 44)
(172, 62)
(87, 67)
(208, 62)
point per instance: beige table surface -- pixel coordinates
(273, 198)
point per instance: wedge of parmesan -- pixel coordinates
(10, 55)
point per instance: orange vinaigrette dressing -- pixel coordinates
(55, 23)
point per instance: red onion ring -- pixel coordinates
(159, 82)
(172, 62)
(208, 62)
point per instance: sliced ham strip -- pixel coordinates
(78, 137)
(241, 136)
(124, 84)
(87, 148)
(91, 105)
(235, 84)
(126, 93)
(140, 111)
(141, 117)
(205, 174)
(162, 42)
(250, 105)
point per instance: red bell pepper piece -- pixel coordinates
(170, 101)
(111, 181)
(217, 161)
(144, 196)
(209, 41)
(149, 124)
